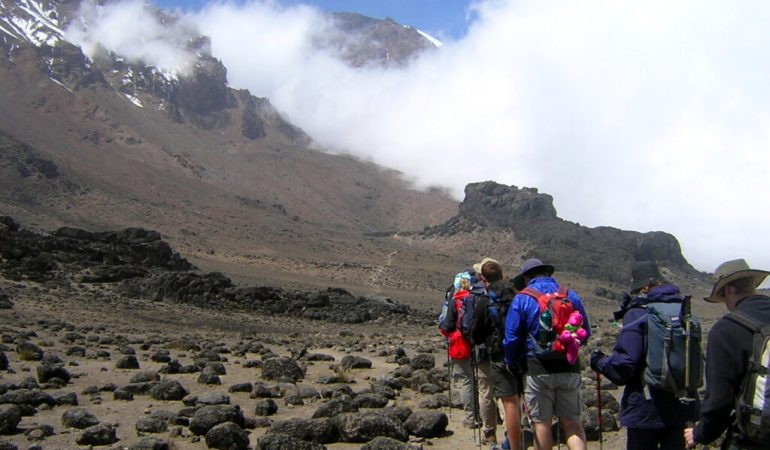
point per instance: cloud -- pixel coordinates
(643, 116)
(134, 31)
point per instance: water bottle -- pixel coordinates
(545, 335)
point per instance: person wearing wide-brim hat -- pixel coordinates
(653, 419)
(728, 353)
(553, 382)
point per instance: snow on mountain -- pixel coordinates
(29, 21)
(433, 40)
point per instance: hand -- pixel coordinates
(689, 438)
(596, 356)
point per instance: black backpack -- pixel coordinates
(499, 303)
(752, 406)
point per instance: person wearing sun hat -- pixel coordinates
(728, 352)
(653, 419)
(553, 382)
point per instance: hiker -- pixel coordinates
(488, 330)
(468, 286)
(553, 375)
(487, 406)
(653, 418)
(728, 359)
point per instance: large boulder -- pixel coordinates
(168, 390)
(210, 416)
(427, 424)
(79, 418)
(282, 367)
(10, 416)
(102, 434)
(363, 427)
(227, 436)
(280, 441)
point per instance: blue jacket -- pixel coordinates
(625, 367)
(523, 321)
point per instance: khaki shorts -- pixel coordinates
(553, 394)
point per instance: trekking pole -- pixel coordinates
(475, 393)
(685, 318)
(449, 369)
(599, 407)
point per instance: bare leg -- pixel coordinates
(512, 408)
(543, 436)
(576, 436)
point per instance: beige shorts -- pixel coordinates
(553, 394)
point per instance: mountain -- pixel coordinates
(529, 216)
(107, 143)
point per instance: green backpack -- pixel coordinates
(752, 408)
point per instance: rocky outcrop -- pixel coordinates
(602, 253)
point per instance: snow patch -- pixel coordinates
(430, 38)
(135, 100)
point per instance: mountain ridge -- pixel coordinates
(235, 186)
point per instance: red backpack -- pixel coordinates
(559, 307)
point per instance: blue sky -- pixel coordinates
(440, 18)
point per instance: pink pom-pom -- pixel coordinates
(575, 319)
(572, 352)
(581, 334)
(566, 337)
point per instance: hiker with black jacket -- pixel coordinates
(488, 330)
(728, 356)
(654, 419)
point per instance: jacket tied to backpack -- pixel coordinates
(456, 319)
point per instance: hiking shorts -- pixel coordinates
(552, 394)
(506, 383)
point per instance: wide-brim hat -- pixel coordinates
(477, 266)
(734, 270)
(643, 274)
(528, 266)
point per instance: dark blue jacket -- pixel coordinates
(625, 367)
(523, 321)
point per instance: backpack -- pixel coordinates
(459, 344)
(497, 312)
(668, 361)
(752, 407)
(445, 307)
(555, 310)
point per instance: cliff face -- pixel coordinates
(602, 252)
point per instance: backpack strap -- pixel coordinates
(745, 320)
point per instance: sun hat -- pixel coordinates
(477, 266)
(733, 270)
(528, 266)
(644, 273)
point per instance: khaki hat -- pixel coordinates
(477, 266)
(733, 270)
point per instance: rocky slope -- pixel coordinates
(601, 253)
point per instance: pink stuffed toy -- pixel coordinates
(573, 335)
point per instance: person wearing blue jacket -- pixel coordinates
(553, 384)
(654, 419)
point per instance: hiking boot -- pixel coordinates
(470, 424)
(489, 437)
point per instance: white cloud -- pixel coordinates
(644, 116)
(129, 28)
